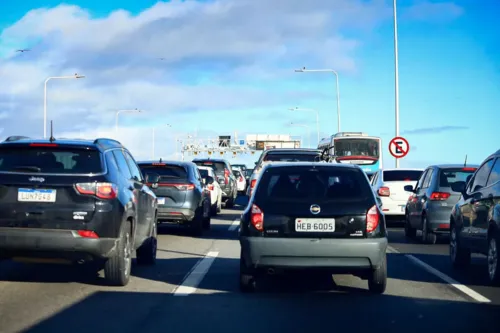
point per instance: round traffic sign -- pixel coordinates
(399, 147)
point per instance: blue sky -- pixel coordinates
(228, 66)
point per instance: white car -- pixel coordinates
(241, 182)
(214, 188)
(389, 185)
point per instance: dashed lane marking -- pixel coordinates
(234, 225)
(466, 290)
(196, 275)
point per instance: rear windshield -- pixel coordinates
(449, 176)
(236, 173)
(218, 167)
(59, 160)
(165, 172)
(296, 184)
(203, 173)
(402, 175)
(291, 157)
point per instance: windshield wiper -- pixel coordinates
(26, 168)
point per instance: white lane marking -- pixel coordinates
(466, 290)
(196, 275)
(234, 225)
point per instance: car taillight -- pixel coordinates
(100, 190)
(43, 144)
(257, 218)
(252, 183)
(384, 191)
(210, 187)
(184, 187)
(469, 169)
(372, 219)
(87, 234)
(226, 176)
(241, 178)
(439, 196)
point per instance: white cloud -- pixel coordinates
(433, 11)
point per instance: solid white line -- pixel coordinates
(196, 275)
(466, 290)
(234, 225)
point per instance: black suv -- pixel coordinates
(182, 197)
(226, 179)
(80, 201)
(475, 219)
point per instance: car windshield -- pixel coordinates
(320, 184)
(356, 147)
(165, 172)
(401, 175)
(291, 157)
(59, 160)
(447, 177)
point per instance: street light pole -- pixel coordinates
(76, 76)
(308, 131)
(122, 111)
(311, 110)
(304, 70)
(396, 72)
(154, 138)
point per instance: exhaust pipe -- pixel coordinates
(270, 271)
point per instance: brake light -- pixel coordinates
(439, 196)
(257, 218)
(241, 178)
(87, 234)
(226, 176)
(162, 164)
(101, 190)
(252, 183)
(384, 191)
(469, 169)
(43, 144)
(372, 219)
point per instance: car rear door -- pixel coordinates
(43, 185)
(395, 181)
(173, 185)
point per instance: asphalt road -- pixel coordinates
(194, 287)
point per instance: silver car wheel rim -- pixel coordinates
(127, 255)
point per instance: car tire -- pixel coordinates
(428, 237)
(410, 232)
(207, 215)
(247, 276)
(493, 264)
(196, 224)
(460, 257)
(214, 209)
(377, 282)
(219, 205)
(117, 268)
(146, 254)
(230, 202)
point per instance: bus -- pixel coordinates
(355, 148)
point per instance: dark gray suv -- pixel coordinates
(226, 179)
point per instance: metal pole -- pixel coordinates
(45, 108)
(396, 73)
(338, 100)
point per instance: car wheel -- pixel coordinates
(146, 254)
(247, 280)
(214, 209)
(409, 231)
(493, 266)
(219, 205)
(377, 282)
(230, 202)
(428, 237)
(196, 224)
(460, 257)
(117, 268)
(206, 215)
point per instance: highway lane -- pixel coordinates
(189, 291)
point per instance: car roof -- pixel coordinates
(98, 143)
(204, 168)
(311, 164)
(454, 166)
(292, 150)
(167, 162)
(216, 160)
(403, 169)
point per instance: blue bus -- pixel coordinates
(355, 148)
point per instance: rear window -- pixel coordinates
(236, 173)
(402, 175)
(218, 167)
(59, 160)
(165, 172)
(291, 157)
(447, 177)
(203, 173)
(295, 184)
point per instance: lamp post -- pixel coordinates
(123, 111)
(76, 76)
(304, 70)
(396, 73)
(311, 110)
(308, 130)
(154, 138)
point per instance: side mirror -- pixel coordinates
(152, 178)
(409, 188)
(209, 180)
(458, 187)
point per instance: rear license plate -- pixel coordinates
(31, 195)
(315, 225)
(161, 201)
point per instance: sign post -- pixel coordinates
(399, 147)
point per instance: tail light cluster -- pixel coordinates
(252, 185)
(87, 234)
(384, 191)
(180, 187)
(439, 196)
(101, 190)
(372, 219)
(257, 218)
(241, 178)
(226, 176)
(210, 187)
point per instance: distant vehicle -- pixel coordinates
(212, 185)
(320, 216)
(355, 148)
(241, 167)
(182, 198)
(475, 220)
(389, 185)
(225, 177)
(82, 201)
(240, 181)
(429, 207)
(280, 155)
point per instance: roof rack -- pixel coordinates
(108, 143)
(16, 138)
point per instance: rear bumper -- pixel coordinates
(53, 242)
(178, 215)
(393, 207)
(343, 255)
(439, 220)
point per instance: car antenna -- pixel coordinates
(52, 139)
(160, 159)
(465, 163)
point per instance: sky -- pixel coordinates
(220, 67)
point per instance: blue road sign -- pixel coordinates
(242, 142)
